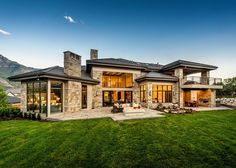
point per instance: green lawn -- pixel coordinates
(203, 139)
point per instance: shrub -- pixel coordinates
(25, 115)
(34, 116)
(21, 115)
(9, 112)
(30, 115)
(39, 117)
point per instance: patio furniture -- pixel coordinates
(130, 111)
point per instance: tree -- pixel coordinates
(229, 88)
(3, 97)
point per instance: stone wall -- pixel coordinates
(72, 97)
(23, 96)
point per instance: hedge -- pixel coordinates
(10, 112)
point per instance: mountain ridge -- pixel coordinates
(9, 68)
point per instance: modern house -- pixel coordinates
(102, 82)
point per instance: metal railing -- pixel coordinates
(189, 80)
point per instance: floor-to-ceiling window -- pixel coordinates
(37, 96)
(43, 97)
(56, 97)
(143, 95)
(117, 80)
(162, 93)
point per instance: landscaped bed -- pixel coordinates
(201, 139)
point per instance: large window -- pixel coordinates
(161, 93)
(117, 80)
(143, 91)
(37, 96)
(56, 97)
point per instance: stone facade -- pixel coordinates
(72, 97)
(213, 98)
(178, 92)
(89, 96)
(23, 97)
(97, 89)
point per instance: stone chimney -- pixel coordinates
(93, 54)
(72, 64)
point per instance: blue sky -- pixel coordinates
(35, 33)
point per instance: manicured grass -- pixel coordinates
(203, 139)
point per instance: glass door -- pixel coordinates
(107, 98)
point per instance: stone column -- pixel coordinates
(205, 77)
(23, 97)
(136, 89)
(149, 95)
(97, 89)
(178, 92)
(213, 98)
(72, 89)
(89, 96)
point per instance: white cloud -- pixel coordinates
(70, 19)
(5, 32)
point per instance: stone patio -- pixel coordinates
(104, 112)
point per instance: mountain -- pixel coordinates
(9, 68)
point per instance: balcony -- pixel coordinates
(198, 82)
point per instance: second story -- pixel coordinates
(125, 74)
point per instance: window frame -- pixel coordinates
(166, 94)
(143, 93)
